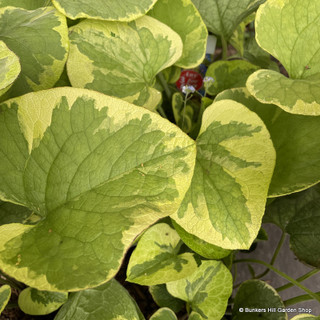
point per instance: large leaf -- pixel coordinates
(124, 10)
(229, 74)
(256, 299)
(304, 228)
(223, 16)
(9, 68)
(5, 293)
(35, 302)
(25, 4)
(107, 302)
(40, 39)
(293, 136)
(183, 17)
(164, 314)
(235, 159)
(289, 30)
(163, 298)
(200, 246)
(206, 291)
(98, 170)
(156, 258)
(121, 59)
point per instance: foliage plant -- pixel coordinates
(107, 167)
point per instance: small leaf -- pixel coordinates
(114, 170)
(172, 74)
(256, 299)
(207, 290)
(5, 294)
(223, 16)
(9, 68)
(298, 96)
(156, 258)
(229, 74)
(298, 152)
(183, 17)
(200, 246)
(124, 10)
(235, 159)
(163, 298)
(110, 301)
(40, 39)
(164, 314)
(35, 302)
(121, 59)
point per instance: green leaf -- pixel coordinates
(121, 59)
(35, 302)
(172, 74)
(111, 10)
(289, 31)
(223, 16)
(5, 294)
(304, 226)
(9, 68)
(253, 299)
(98, 170)
(298, 152)
(163, 298)
(235, 159)
(10, 213)
(305, 317)
(40, 39)
(156, 258)
(298, 96)
(25, 4)
(229, 74)
(164, 314)
(200, 246)
(108, 302)
(207, 290)
(183, 17)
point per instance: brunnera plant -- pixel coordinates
(113, 177)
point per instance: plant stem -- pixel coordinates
(283, 275)
(224, 48)
(164, 85)
(300, 279)
(302, 298)
(274, 257)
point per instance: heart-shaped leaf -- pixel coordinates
(206, 291)
(298, 153)
(229, 74)
(121, 59)
(164, 314)
(235, 159)
(110, 301)
(35, 302)
(9, 68)
(97, 170)
(183, 17)
(40, 39)
(156, 258)
(289, 30)
(223, 16)
(124, 10)
(5, 293)
(256, 299)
